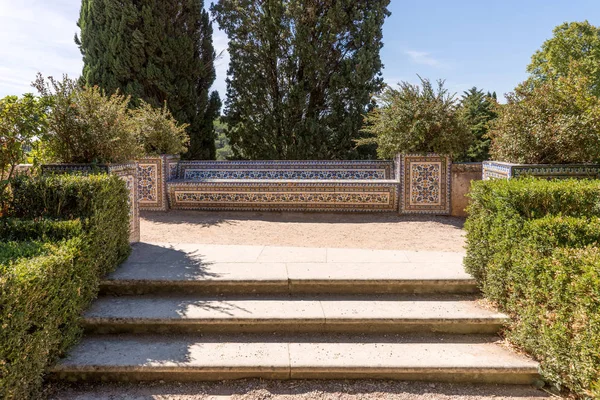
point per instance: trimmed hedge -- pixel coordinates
(50, 270)
(100, 201)
(533, 245)
(499, 208)
(45, 229)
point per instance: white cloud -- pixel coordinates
(220, 42)
(37, 36)
(424, 58)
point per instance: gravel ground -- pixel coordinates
(367, 231)
(299, 390)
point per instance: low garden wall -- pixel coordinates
(504, 170)
(463, 174)
(411, 184)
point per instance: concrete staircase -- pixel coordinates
(177, 312)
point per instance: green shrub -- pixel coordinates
(100, 201)
(85, 125)
(533, 247)
(552, 122)
(51, 273)
(12, 250)
(556, 314)
(44, 229)
(158, 131)
(417, 119)
(498, 209)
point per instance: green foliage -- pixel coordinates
(533, 247)
(158, 131)
(478, 109)
(45, 229)
(224, 151)
(154, 51)
(553, 122)
(301, 75)
(574, 50)
(85, 125)
(21, 121)
(417, 119)
(41, 300)
(50, 268)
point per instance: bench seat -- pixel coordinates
(284, 194)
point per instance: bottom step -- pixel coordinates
(202, 358)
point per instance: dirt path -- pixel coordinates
(367, 231)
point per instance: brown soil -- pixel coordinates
(367, 231)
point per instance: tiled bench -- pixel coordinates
(285, 185)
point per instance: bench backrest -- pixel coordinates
(366, 170)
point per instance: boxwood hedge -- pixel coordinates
(533, 245)
(62, 233)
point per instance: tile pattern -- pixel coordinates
(425, 184)
(153, 173)
(502, 170)
(284, 195)
(127, 171)
(198, 174)
(360, 169)
(148, 182)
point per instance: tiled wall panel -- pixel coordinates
(425, 184)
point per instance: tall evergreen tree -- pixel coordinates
(302, 75)
(478, 110)
(157, 51)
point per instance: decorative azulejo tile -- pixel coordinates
(360, 169)
(502, 170)
(425, 184)
(153, 173)
(282, 195)
(148, 182)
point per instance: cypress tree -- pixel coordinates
(157, 51)
(302, 75)
(479, 110)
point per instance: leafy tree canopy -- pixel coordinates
(417, 119)
(552, 122)
(573, 50)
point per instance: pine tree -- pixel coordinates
(478, 110)
(155, 51)
(302, 75)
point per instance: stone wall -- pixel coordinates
(462, 176)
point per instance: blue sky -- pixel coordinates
(466, 42)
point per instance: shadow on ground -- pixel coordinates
(211, 218)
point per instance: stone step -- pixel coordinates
(290, 314)
(213, 269)
(205, 357)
